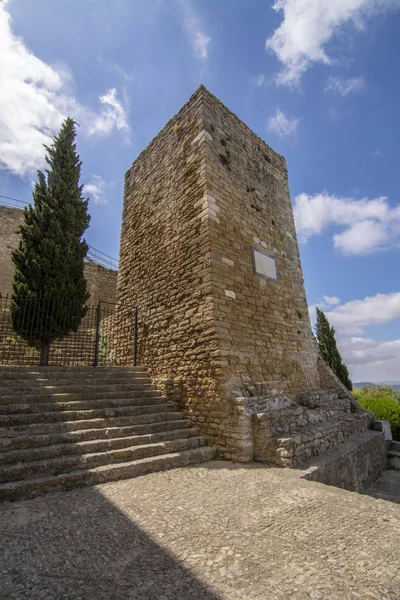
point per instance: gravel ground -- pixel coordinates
(214, 531)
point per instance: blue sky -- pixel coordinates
(318, 80)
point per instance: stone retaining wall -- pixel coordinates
(10, 220)
(102, 282)
(354, 466)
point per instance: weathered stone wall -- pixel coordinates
(263, 326)
(102, 282)
(202, 194)
(10, 220)
(165, 269)
(353, 466)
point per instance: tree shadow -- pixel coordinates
(78, 545)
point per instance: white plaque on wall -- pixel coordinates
(264, 265)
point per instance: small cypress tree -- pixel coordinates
(49, 287)
(328, 349)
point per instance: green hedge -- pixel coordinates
(384, 402)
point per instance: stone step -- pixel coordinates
(112, 472)
(17, 382)
(49, 368)
(73, 389)
(292, 418)
(95, 445)
(66, 426)
(29, 372)
(353, 465)
(394, 458)
(32, 441)
(66, 397)
(92, 382)
(62, 427)
(32, 408)
(64, 464)
(82, 415)
(295, 447)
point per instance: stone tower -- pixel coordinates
(209, 256)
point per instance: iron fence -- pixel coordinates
(102, 335)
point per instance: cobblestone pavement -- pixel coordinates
(216, 531)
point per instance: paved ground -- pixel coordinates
(215, 531)
(387, 487)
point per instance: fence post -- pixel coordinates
(135, 341)
(96, 348)
(3, 328)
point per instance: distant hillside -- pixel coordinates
(359, 384)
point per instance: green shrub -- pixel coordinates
(383, 401)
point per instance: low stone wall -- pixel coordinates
(287, 432)
(294, 448)
(329, 400)
(353, 466)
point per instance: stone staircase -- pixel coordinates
(295, 447)
(394, 455)
(321, 430)
(66, 427)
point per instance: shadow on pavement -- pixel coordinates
(78, 545)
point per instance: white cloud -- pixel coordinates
(352, 317)
(368, 224)
(330, 301)
(371, 360)
(367, 359)
(281, 124)
(308, 26)
(358, 314)
(344, 86)
(96, 189)
(34, 100)
(363, 237)
(193, 29)
(112, 117)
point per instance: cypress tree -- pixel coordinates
(49, 287)
(328, 349)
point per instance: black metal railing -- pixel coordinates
(101, 258)
(102, 335)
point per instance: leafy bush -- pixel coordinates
(384, 402)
